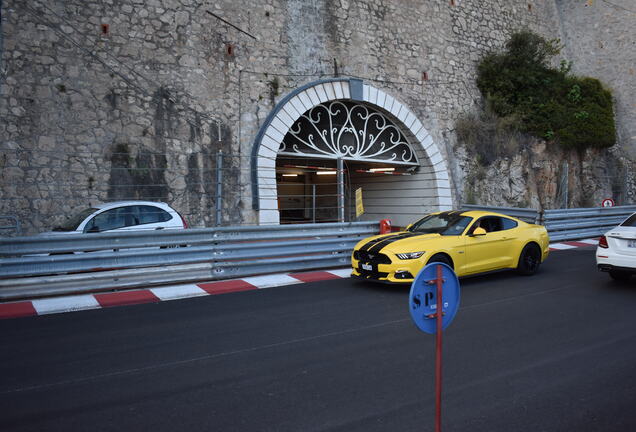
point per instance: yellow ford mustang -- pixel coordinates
(469, 241)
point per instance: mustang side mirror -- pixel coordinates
(478, 232)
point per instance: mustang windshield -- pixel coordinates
(442, 223)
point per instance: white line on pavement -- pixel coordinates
(65, 304)
(268, 281)
(343, 273)
(178, 291)
(561, 246)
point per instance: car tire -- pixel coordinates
(441, 259)
(529, 260)
(619, 276)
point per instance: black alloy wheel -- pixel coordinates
(529, 260)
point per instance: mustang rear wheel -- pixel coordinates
(529, 260)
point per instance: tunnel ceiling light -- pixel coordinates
(325, 172)
(290, 175)
(383, 172)
(307, 167)
(381, 169)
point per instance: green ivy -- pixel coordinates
(576, 112)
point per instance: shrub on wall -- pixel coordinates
(549, 103)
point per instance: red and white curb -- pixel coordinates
(573, 244)
(153, 295)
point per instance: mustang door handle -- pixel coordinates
(158, 228)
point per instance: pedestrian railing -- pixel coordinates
(62, 264)
(10, 226)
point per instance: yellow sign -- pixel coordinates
(359, 206)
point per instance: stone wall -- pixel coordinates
(543, 177)
(600, 39)
(133, 99)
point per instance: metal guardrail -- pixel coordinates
(62, 264)
(567, 224)
(570, 224)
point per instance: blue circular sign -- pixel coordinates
(423, 297)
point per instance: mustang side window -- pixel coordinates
(489, 223)
(508, 223)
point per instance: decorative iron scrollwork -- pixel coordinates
(347, 130)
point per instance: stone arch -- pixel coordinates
(293, 105)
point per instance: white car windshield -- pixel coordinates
(73, 223)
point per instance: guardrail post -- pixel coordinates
(313, 203)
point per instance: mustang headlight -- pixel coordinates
(410, 255)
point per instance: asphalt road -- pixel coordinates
(552, 352)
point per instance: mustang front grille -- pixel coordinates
(373, 258)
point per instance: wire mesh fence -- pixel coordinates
(44, 191)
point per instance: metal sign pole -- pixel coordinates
(438, 353)
(432, 313)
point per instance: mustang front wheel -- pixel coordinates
(441, 259)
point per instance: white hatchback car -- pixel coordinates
(123, 216)
(616, 251)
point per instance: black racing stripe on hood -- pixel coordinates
(377, 247)
(370, 244)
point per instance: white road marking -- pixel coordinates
(178, 291)
(65, 304)
(589, 241)
(561, 246)
(269, 281)
(343, 273)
